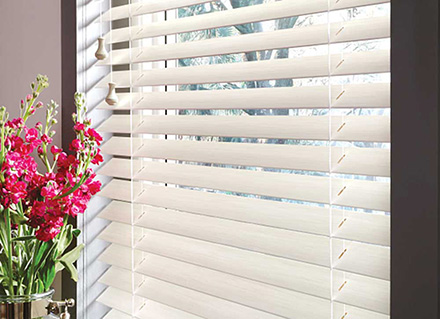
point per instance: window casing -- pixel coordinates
(283, 184)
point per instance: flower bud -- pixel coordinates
(29, 97)
(32, 85)
(74, 117)
(51, 134)
(35, 94)
(39, 105)
(43, 80)
(39, 126)
(2, 112)
(54, 121)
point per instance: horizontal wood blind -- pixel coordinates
(249, 160)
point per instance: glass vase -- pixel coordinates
(25, 307)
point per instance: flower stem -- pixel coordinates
(10, 252)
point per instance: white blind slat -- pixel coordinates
(304, 67)
(368, 293)
(198, 303)
(114, 314)
(361, 161)
(121, 256)
(278, 301)
(121, 301)
(357, 226)
(355, 30)
(345, 192)
(152, 6)
(172, 246)
(255, 13)
(373, 95)
(160, 311)
(340, 309)
(290, 274)
(234, 289)
(237, 289)
(346, 128)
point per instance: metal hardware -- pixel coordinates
(56, 308)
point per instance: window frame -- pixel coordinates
(415, 159)
(415, 182)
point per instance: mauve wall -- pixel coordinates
(30, 43)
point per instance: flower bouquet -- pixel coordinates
(36, 204)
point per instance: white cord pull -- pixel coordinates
(111, 97)
(101, 53)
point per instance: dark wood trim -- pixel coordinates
(415, 159)
(68, 72)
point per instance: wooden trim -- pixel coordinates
(415, 159)
(69, 74)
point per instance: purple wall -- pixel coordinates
(30, 43)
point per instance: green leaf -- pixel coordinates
(40, 286)
(64, 240)
(68, 259)
(18, 219)
(44, 247)
(58, 266)
(48, 273)
(76, 232)
(72, 256)
(71, 269)
(24, 238)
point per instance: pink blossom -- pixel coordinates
(55, 150)
(50, 190)
(46, 139)
(46, 234)
(79, 127)
(47, 198)
(76, 145)
(97, 158)
(94, 136)
(31, 135)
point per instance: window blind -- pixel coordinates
(249, 159)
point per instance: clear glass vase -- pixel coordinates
(25, 307)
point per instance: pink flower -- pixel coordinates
(15, 123)
(46, 234)
(55, 150)
(79, 127)
(65, 189)
(76, 145)
(50, 190)
(94, 136)
(31, 135)
(46, 139)
(97, 158)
